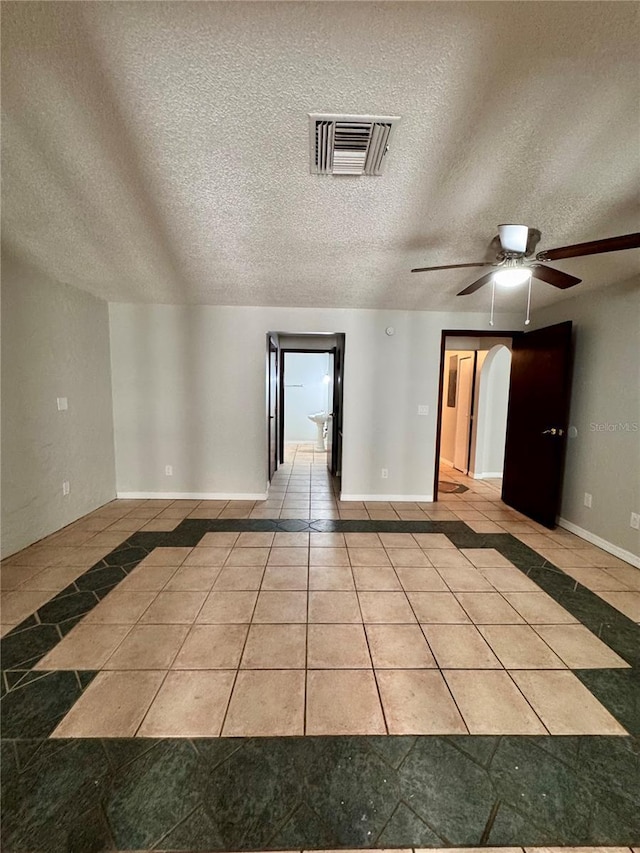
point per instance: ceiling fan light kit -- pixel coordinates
(514, 268)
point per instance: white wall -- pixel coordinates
(189, 391)
(305, 393)
(55, 343)
(603, 458)
(491, 412)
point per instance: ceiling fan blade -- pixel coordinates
(476, 285)
(554, 277)
(451, 267)
(595, 247)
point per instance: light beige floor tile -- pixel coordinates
(12, 577)
(53, 579)
(397, 540)
(122, 606)
(509, 580)
(166, 557)
(275, 647)
(337, 647)
(291, 540)
(629, 576)
(362, 540)
(375, 578)
(408, 557)
(218, 540)
(489, 608)
(447, 558)
(433, 541)
(277, 606)
(576, 849)
(564, 704)
(161, 524)
(266, 704)
(328, 556)
(193, 579)
(343, 702)
(228, 607)
(285, 578)
(174, 607)
(460, 647)
(147, 578)
(190, 703)
(486, 558)
(421, 579)
(289, 556)
(485, 526)
(84, 647)
(211, 647)
(16, 605)
(519, 647)
(594, 579)
(626, 602)
(399, 647)
(113, 705)
(437, 608)
(148, 647)
(579, 648)
(565, 558)
(386, 607)
(333, 607)
(464, 579)
(538, 608)
(255, 540)
(208, 557)
(243, 557)
(490, 703)
(417, 701)
(327, 540)
(239, 577)
(337, 578)
(6, 627)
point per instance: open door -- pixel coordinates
(463, 414)
(334, 431)
(272, 405)
(539, 398)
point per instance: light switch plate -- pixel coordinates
(423, 410)
(63, 404)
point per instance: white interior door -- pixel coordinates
(329, 407)
(463, 415)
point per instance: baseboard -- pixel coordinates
(609, 547)
(387, 498)
(447, 461)
(194, 496)
(491, 475)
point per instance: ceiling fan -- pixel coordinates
(515, 264)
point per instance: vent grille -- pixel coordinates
(349, 145)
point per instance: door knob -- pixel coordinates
(553, 431)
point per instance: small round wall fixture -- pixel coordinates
(390, 331)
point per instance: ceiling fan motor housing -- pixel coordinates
(513, 239)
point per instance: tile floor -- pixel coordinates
(270, 634)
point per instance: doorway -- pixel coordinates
(514, 435)
(308, 390)
(473, 418)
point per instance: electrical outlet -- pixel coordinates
(63, 404)
(423, 410)
(384, 473)
(635, 520)
(66, 488)
(168, 470)
(588, 499)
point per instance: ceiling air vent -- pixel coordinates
(349, 145)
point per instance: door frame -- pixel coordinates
(283, 351)
(273, 347)
(459, 333)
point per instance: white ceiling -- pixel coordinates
(159, 151)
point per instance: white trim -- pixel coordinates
(447, 461)
(198, 496)
(491, 475)
(616, 550)
(386, 498)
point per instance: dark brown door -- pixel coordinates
(272, 426)
(537, 422)
(334, 457)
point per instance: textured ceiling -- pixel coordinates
(159, 151)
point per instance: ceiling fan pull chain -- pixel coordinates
(528, 320)
(493, 300)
